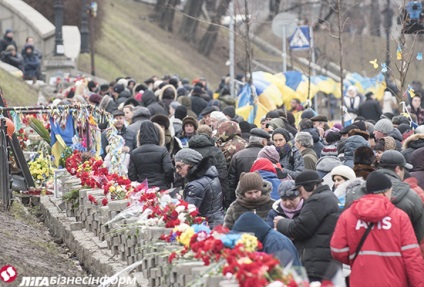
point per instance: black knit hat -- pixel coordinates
(245, 127)
(283, 132)
(229, 111)
(307, 177)
(377, 182)
(332, 137)
(180, 112)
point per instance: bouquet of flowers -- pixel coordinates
(41, 168)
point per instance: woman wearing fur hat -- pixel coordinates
(203, 188)
(253, 195)
(151, 160)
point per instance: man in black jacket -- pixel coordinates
(370, 109)
(311, 231)
(243, 160)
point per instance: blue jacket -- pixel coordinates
(273, 242)
(274, 180)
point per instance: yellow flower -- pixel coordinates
(185, 237)
(249, 241)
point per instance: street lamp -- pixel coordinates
(58, 21)
(84, 28)
(93, 14)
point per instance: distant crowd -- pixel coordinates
(312, 191)
(28, 60)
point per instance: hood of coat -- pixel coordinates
(396, 134)
(400, 189)
(349, 186)
(150, 133)
(199, 141)
(314, 133)
(141, 113)
(206, 167)
(185, 101)
(263, 164)
(352, 143)
(327, 163)
(168, 92)
(148, 98)
(414, 141)
(372, 207)
(250, 222)
(417, 159)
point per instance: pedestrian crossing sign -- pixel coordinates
(300, 39)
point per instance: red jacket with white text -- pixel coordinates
(390, 255)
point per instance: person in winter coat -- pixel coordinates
(272, 241)
(186, 102)
(289, 204)
(390, 255)
(151, 160)
(350, 146)
(177, 120)
(363, 160)
(229, 139)
(340, 174)
(189, 127)
(383, 144)
(31, 64)
(120, 94)
(253, 195)
(167, 95)
(141, 114)
(9, 56)
(411, 144)
(306, 125)
(267, 171)
(198, 103)
(291, 159)
(393, 164)
(270, 152)
(7, 40)
(383, 128)
(370, 109)
(415, 108)
(243, 160)
(352, 100)
(312, 229)
(418, 166)
(413, 184)
(304, 143)
(324, 167)
(205, 145)
(150, 102)
(203, 188)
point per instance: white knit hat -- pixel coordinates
(343, 170)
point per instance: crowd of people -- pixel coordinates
(313, 191)
(28, 60)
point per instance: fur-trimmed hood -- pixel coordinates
(162, 91)
(414, 141)
(159, 131)
(206, 167)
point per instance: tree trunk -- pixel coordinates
(192, 11)
(375, 19)
(167, 15)
(209, 38)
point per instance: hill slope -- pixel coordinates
(16, 91)
(131, 45)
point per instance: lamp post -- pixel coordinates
(84, 28)
(93, 14)
(58, 21)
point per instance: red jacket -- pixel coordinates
(390, 255)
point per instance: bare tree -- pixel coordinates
(192, 11)
(375, 18)
(209, 38)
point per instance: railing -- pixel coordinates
(5, 190)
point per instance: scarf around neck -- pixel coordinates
(291, 212)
